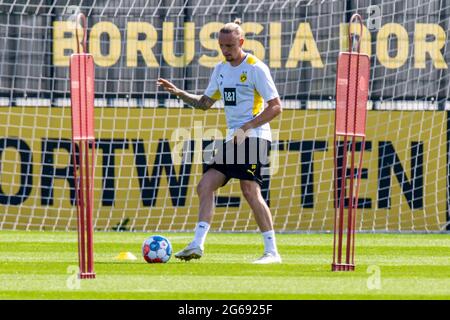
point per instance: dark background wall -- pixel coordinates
(26, 65)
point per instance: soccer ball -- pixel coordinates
(156, 249)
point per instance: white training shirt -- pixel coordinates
(244, 90)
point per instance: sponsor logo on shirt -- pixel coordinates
(229, 95)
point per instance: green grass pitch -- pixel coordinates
(39, 265)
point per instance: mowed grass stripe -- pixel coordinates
(381, 239)
(12, 269)
(231, 258)
(233, 254)
(415, 266)
(232, 285)
(202, 296)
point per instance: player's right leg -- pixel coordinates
(252, 193)
(211, 181)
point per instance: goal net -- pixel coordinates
(150, 146)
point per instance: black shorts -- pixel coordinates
(244, 161)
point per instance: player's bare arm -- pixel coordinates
(272, 110)
(197, 101)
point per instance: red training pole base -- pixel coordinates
(342, 267)
(87, 275)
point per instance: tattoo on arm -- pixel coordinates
(197, 101)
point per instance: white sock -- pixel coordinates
(269, 242)
(201, 230)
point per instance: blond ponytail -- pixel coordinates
(233, 27)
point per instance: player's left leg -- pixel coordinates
(252, 193)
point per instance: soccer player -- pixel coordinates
(244, 83)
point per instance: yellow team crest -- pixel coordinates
(243, 77)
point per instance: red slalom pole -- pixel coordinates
(82, 92)
(352, 87)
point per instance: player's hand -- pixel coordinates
(168, 86)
